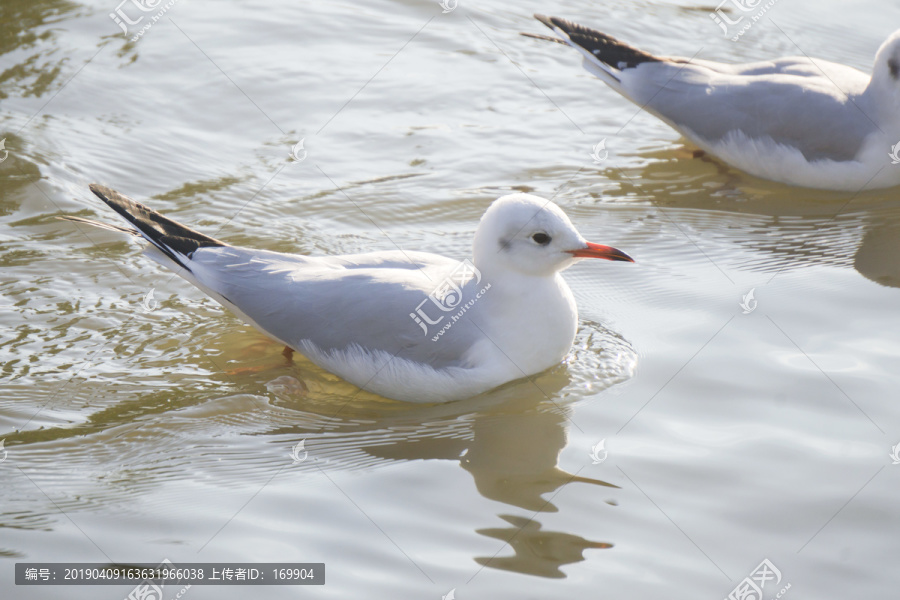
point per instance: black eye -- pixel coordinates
(541, 238)
(894, 67)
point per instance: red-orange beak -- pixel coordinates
(600, 251)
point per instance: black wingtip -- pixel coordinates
(556, 22)
(547, 38)
(123, 205)
(109, 195)
(544, 19)
(172, 238)
(601, 46)
(99, 190)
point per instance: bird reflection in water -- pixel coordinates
(537, 552)
(513, 457)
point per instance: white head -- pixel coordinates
(532, 236)
(886, 74)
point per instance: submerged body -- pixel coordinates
(796, 120)
(412, 326)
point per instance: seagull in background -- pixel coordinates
(795, 120)
(412, 326)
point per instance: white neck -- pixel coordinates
(531, 319)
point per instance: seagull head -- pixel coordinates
(532, 236)
(886, 74)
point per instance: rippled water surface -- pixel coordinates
(140, 428)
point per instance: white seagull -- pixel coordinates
(412, 326)
(796, 120)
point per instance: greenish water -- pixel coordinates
(134, 435)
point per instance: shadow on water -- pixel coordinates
(769, 226)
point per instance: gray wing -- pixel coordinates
(789, 101)
(815, 106)
(369, 300)
(334, 303)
